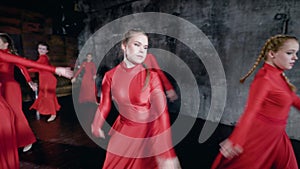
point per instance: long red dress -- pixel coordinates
(261, 129)
(8, 141)
(141, 132)
(88, 92)
(46, 103)
(11, 92)
(8, 144)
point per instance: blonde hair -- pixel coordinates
(130, 33)
(127, 36)
(272, 44)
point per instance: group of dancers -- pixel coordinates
(141, 135)
(15, 131)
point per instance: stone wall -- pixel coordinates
(236, 29)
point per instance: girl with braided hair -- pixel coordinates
(141, 134)
(259, 140)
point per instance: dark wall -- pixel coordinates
(236, 29)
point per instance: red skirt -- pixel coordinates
(267, 146)
(8, 144)
(11, 92)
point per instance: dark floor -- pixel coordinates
(64, 143)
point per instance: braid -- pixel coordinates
(252, 69)
(292, 87)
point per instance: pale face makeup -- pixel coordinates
(42, 50)
(135, 50)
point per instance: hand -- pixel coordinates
(228, 150)
(169, 163)
(73, 80)
(33, 85)
(64, 71)
(171, 94)
(98, 132)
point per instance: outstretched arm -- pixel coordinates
(61, 71)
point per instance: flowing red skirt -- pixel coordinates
(11, 92)
(267, 146)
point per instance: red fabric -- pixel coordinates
(261, 128)
(88, 86)
(47, 102)
(143, 115)
(151, 62)
(10, 58)
(11, 92)
(8, 144)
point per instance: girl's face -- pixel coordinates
(42, 50)
(89, 57)
(3, 45)
(135, 49)
(286, 56)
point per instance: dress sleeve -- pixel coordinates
(25, 73)
(257, 94)
(10, 58)
(94, 70)
(105, 103)
(151, 60)
(162, 123)
(79, 70)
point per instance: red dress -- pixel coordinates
(47, 102)
(261, 128)
(8, 144)
(88, 92)
(11, 92)
(8, 141)
(151, 62)
(141, 132)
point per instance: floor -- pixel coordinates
(66, 142)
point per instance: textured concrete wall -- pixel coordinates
(237, 30)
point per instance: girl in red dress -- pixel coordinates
(259, 140)
(141, 134)
(11, 91)
(46, 103)
(8, 139)
(88, 92)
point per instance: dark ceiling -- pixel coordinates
(46, 7)
(62, 12)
